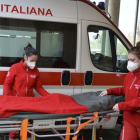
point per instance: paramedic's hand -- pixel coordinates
(116, 108)
(103, 93)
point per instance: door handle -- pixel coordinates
(65, 77)
(88, 78)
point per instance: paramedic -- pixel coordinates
(138, 43)
(22, 77)
(131, 91)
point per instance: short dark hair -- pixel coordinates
(29, 50)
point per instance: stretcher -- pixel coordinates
(73, 123)
(96, 115)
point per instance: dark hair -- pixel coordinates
(138, 43)
(135, 50)
(29, 50)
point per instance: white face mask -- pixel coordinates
(132, 66)
(31, 65)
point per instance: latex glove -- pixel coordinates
(103, 93)
(116, 108)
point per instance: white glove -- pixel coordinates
(103, 93)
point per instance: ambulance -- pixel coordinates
(80, 48)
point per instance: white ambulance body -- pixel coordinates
(80, 49)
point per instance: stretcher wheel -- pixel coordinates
(80, 135)
(17, 135)
(1, 136)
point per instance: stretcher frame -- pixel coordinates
(50, 124)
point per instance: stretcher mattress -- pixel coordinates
(58, 104)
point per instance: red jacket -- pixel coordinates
(20, 81)
(131, 91)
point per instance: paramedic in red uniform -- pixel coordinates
(22, 77)
(131, 91)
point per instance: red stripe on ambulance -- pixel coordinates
(99, 79)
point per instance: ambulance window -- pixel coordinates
(55, 42)
(121, 53)
(51, 44)
(57, 45)
(13, 40)
(100, 48)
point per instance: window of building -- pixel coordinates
(138, 26)
(127, 18)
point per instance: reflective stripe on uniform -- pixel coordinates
(123, 134)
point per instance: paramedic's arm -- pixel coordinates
(9, 82)
(116, 91)
(132, 105)
(39, 88)
(113, 91)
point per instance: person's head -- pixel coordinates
(138, 44)
(133, 58)
(30, 56)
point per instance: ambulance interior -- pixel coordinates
(100, 40)
(54, 42)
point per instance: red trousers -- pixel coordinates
(12, 135)
(130, 132)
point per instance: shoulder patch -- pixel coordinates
(33, 76)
